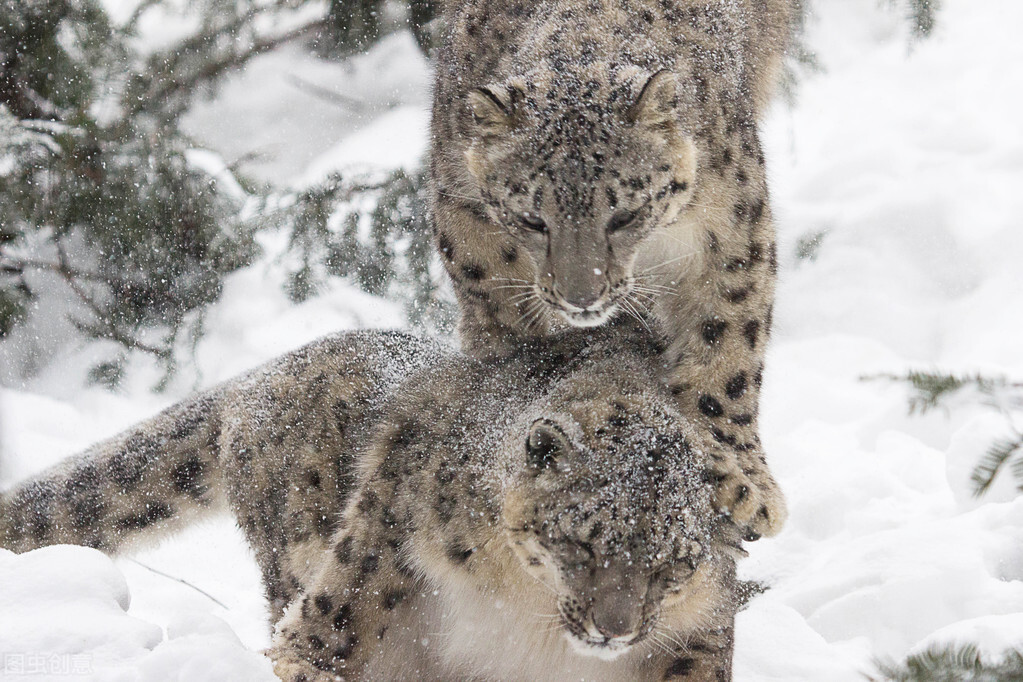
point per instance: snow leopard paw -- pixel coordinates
(751, 498)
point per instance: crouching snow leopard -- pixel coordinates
(432, 516)
(596, 157)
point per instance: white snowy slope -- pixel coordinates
(908, 161)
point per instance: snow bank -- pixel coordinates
(65, 616)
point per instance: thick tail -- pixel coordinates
(137, 486)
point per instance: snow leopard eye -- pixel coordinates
(621, 220)
(533, 222)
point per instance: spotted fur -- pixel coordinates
(276, 447)
(540, 517)
(432, 516)
(593, 158)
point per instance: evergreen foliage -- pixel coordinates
(355, 25)
(386, 250)
(1003, 453)
(922, 16)
(801, 58)
(931, 389)
(952, 663)
(809, 245)
(96, 186)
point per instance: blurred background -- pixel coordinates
(191, 187)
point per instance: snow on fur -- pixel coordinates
(908, 162)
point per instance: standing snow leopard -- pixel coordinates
(431, 516)
(594, 157)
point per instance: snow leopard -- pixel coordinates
(594, 158)
(431, 515)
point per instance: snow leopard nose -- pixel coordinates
(581, 298)
(615, 624)
(618, 597)
(617, 615)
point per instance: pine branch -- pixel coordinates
(1017, 472)
(11, 264)
(994, 460)
(104, 326)
(132, 23)
(952, 663)
(931, 387)
(161, 233)
(164, 88)
(327, 94)
(923, 16)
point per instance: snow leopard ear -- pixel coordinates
(656, 102)
(545, 443)
(493, 108)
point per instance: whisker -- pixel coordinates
(677, 240)
(530, 314)
(650, 279)
(649, 294)
(672, 636)
(552, 623)
(631, 314)
(640, 289)
(463, 197)
(654, 640)
(512, 286)
(520, 297)
(644, 297)
(537, 315)
(630, 309)
(524, 314)
(542, 582)
(548, 618)
(652, 286)
(643, 302)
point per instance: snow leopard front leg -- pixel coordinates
(357, 602)
(718, 326)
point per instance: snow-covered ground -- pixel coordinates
(908, 161)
